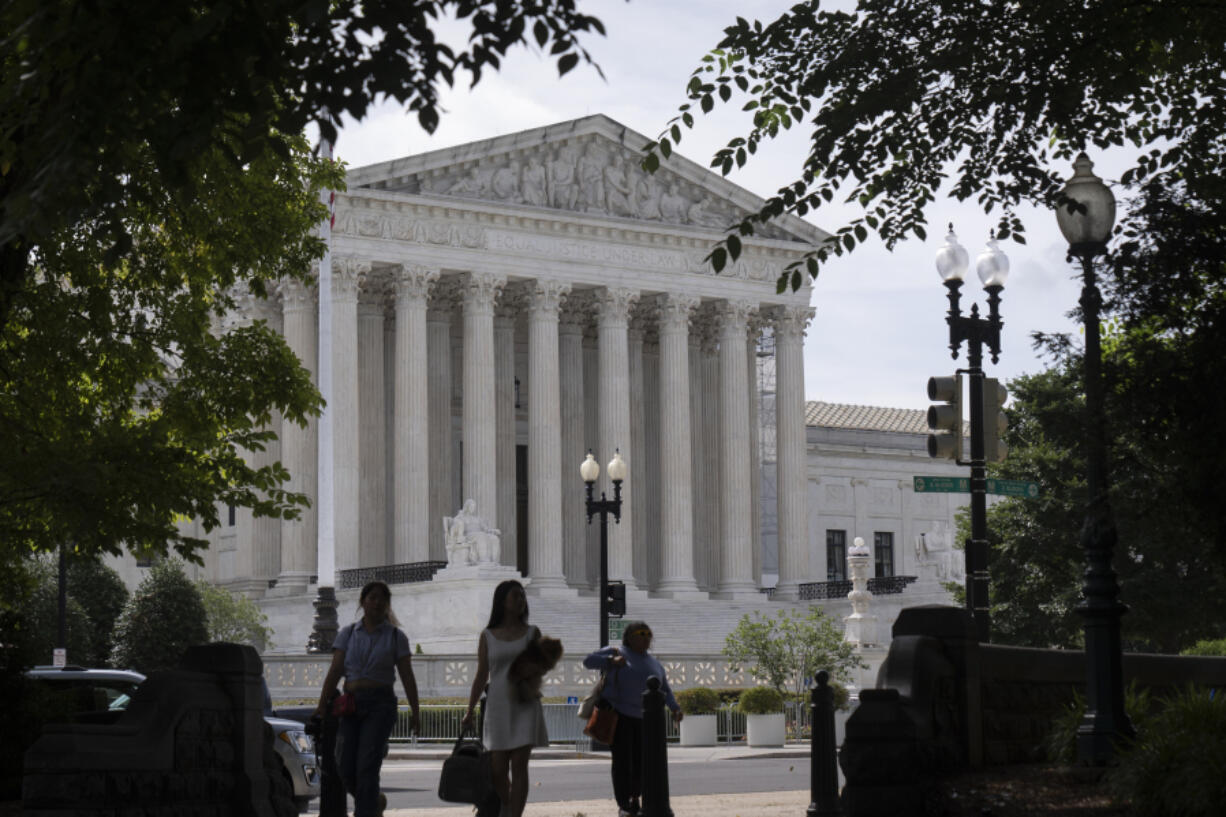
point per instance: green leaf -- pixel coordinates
(566, 62)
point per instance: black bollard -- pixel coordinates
(332, 802)
(823, 760)
(655, 753)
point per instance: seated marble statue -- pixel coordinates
(469, 540)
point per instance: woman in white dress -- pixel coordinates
(512, 726)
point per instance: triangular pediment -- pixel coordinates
(588, 166)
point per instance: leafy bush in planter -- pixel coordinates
(1177, 766)
(842, 698)
(760, 701)
(698, 701)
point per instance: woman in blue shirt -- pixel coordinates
(628, 667)
(367, 653)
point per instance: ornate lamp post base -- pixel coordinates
(323, 631)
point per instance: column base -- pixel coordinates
(728, 592)
(787, 591)
(253, 588)
(289, 584)
(679, 589)
(550, 586)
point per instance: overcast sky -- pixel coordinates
(879, 331)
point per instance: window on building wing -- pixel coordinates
(836, 555)
(883, 553)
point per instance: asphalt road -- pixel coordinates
(413, 783)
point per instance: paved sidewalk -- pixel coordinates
(438, 751)
(758, 804)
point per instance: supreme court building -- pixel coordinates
(502, 307)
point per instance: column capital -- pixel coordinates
(675, 310)
(576, 313)
(480, 291)
(792, 321)
(545, 298)
(412, 283)
(372, 293)
(613, 305)
(734, 315)
(443, 298)
(296, 294)
(348, 275)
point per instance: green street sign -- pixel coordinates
(942, 485)
(1013, 487)
(962, 485)
(617, 628)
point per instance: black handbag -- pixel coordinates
(466, 773)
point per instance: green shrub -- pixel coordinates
(760, 701)
(1207, 647)
(102, 595)
(842, 698)
(698, 701)
(232, 618)
(163, 618)
(728, 696)
(1177, 765)
(1061, 741)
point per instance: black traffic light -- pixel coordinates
(617, 598)
(945, 420)
(994, 422)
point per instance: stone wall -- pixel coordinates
(193, 741)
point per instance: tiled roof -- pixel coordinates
(865, 418)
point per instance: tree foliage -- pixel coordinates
(236, 619)
(102, 595)
(906, 100)
(163, 618)
(787, 651)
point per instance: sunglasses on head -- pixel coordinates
(641, 632)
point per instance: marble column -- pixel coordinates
(651, 411)
(298, 442)
(480, 415)
(372, 425)
(712, 449)
(755, 454)
(591, 440)
(676, 464)
(266, 530)
(439, 388)
(735, 505)
(545, 557)
(612, 315)
(504, 410)
(412, 428)
(705, 550)
(348, 275)
(791, 449)
(638, 457)
(573, 318)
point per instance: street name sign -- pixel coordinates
(962, 485)
(617, 628)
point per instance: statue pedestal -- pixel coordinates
(454, 606)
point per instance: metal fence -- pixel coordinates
(441, 724)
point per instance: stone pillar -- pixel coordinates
(591, 439)
(711, 450)
(439, 388)
(735, 503)
(651, 410)
(298, 442)
(348, 275)
(755, 454)
(704, 545)
(676, 463)
(480, 416)
(791, 449)
(574, 521)
(613, 312)
(411, 474)
(638, 454)
(373, 540)
(545, 480)
(266, 530)
(504, 409)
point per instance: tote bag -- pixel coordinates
(466, 773)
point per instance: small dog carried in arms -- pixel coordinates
(528, 669)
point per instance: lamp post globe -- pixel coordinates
(952, 259)
(589, 470)
(1087, 227)
(617, 467)
(992, 265)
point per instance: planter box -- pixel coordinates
(765, 730)
(698, 730)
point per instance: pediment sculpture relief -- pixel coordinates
(587, 176)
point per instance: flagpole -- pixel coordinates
(325, 624)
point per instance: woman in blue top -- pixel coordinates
(367, 653)
(628, 667)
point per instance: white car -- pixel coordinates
(99, 695)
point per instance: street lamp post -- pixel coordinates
(589, 471)
(1086, 223)
(993, 268)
